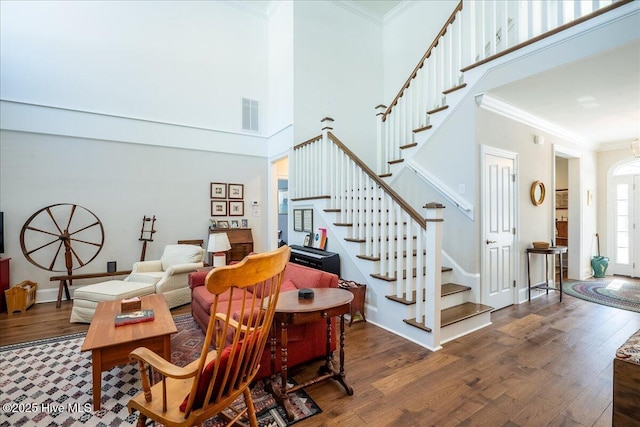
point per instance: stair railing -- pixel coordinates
(476, 34)
(390, 231)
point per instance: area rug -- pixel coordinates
(48, 383)
(613, 292)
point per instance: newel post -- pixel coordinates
(324, 172)
(380, 110)
(433, 246)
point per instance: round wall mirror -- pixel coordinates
(537, 193)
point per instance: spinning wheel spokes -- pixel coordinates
(81, 245)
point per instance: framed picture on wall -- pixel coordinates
(297, 220)
(218, 208)
(307, 220)
(236, 208)
(236, 191)
(218, 190)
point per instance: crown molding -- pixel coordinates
(399, 9)
(498, 106)
(356, 9)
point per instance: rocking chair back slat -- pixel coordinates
(244, 302)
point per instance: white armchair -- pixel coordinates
(170, 274)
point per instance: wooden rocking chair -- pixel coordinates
(245, 297)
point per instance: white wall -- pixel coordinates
(186, 63)
(120, 183)
(280, 67)
(338, 70)
(408, 33)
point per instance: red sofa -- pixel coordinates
(305, 341)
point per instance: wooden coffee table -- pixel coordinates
(327, 303)
(110, 346)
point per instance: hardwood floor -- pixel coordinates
(540, 363)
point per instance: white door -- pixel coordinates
(624, 260)
(498, 240)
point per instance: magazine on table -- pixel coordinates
(134, 317)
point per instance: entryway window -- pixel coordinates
(631, 168)
(626, 180)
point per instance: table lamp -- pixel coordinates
(218, 245)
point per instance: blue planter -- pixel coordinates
(599, 265)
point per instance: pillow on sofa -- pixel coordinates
(302, 277)
(180, 254)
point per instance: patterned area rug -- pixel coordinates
(613, 291)
(48, 383)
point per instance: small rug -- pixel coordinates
(48, 383)
(614, 291)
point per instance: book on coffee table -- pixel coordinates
(134, 317)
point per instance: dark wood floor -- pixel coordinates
(540, 363)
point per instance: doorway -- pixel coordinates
(499, 254)
(281, 169)
(567, 208)
(626, 215)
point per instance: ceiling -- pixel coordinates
(597, 99)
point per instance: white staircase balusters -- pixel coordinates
(475, 32)
(384, 226)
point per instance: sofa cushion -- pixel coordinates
(180, 254)
(287, 285)
(302, 277)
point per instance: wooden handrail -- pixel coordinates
(426, 55)
(307, 142)
(399, 200)
(547, 34)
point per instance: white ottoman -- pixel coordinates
(86, 298)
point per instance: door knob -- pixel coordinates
(490, 241)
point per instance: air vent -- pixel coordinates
(249, 115)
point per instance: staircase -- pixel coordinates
(396, 248)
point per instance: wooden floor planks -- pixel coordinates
(542, 363)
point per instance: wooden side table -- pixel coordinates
(550, 251)
(327, 303)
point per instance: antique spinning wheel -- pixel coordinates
(62, 237)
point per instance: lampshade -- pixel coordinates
(218, 242)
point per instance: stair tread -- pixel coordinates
(415, 323)
(453, 288)
(455, 88)
(393, 162)
(435, 110)
(395, 255)
(467, 311)
(384, 175)
(404, 147)
(427, 127)
(445, 290)
(457, 313)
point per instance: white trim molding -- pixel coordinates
(498, 106)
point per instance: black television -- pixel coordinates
(1, 232)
